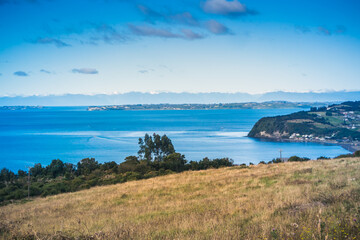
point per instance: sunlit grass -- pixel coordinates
(307, 200)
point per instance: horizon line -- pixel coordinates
(171, 92)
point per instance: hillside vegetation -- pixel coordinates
(294, 200)
(340, 122)
(156, 157)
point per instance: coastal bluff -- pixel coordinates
(338, 123)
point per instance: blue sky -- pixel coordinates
(117, 46)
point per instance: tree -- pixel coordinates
(6, 176)
(146, 148)
(69, 170)
(155, 147)
(205, 163)
(37, 170)
(175, 162)
(21, 173)
(297, 159)
(141, 151)
(86, 166)
(357, 153)
(222, 162)
(167, 147)
(109, 166)
(129, 165)
(194, 165)
(55, 169)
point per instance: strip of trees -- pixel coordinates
(156, 157)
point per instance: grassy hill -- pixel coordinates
(294, 200)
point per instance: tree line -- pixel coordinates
(156, 157)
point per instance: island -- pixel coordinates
(247, 105)
(337, 123)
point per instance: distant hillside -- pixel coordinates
(338, 122)
(294, 200)
(248, 105)
(175, 98)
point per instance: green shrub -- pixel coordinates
(298, 159)
(357, 153)
(130, 176)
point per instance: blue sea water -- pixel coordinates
(72, 133)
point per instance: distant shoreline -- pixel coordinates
(214, 106)
(350, 146)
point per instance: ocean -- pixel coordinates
(72, 133)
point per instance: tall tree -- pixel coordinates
(55, 169)
(155, 147)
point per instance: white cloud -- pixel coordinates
(189, 34)
(224, 7)
(216, 27)
(85, 70)
(152, 31)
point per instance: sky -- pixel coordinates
(118, 46)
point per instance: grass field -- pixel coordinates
(307, 200)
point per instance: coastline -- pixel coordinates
(350, 146)
(210, 106)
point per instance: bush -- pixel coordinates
(357, 153)
(18, 194)
(35, 191)
(328, 113)
(130, 176)
(151, 174)
(345, 156)
(93, 182)
(174, 162)
(276, 160)
(298, 159)
(76, 183)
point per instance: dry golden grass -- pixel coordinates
(307, 200)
